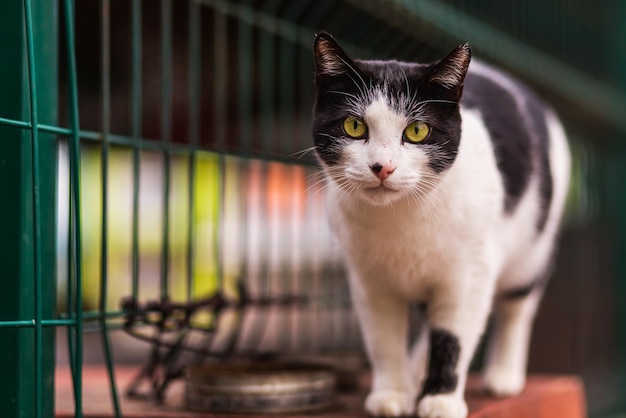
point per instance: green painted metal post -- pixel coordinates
(18, 396)
(619, 198)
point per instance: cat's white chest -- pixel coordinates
(403, 248)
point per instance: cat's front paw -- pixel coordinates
(390, 403)
(504, 381)
(442, 406)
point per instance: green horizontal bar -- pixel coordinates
(51, 322)
(111, 314)
(155, 145)
(94, 327)
(92, 315)
(20, 324)
(33, 323)
(17, 123)
(65, 320)
(58, 322)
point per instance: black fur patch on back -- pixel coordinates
(519, 136)
(444, 356)
(537, 114)
(509, 134)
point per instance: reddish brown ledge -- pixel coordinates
(543, 397)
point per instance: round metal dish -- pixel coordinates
(347, 365)
(258, 388)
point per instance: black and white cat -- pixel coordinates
(446, 183)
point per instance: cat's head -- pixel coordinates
(386, 130)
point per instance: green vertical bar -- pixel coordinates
(268, 69)
(45, 33)
(136, 131)
(305, 93)
(220, 97)
(27, 386)
(104, 256)
(36, 203)
(105, 94)
(287, 80)
(244, 84)
(76, 259)
(195, 49)
(618, 52)
(220, 52)
(166, 136)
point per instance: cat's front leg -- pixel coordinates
(457, 320)
(383, 317)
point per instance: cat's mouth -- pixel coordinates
(380, 195)
(381, 188)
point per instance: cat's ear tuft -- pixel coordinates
(450, 71)
(330, 58)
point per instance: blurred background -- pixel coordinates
(197, 174)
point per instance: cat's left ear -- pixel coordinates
(449, 73)
(330, 59)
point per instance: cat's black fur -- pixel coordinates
(444, 355)
(515, 133)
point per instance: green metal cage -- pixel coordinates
(161, 151)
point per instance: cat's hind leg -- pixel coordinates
(419, 357)
(507, 349)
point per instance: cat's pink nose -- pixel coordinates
(382, 171)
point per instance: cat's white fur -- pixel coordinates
(446, 242)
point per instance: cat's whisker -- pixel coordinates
(315, 185)
(406, 80)
(428, 194)
(419, 201)
(329, 135)
(317, 191)
(416, 110)
(413, 98)
(343, 93)
(363, 92)
(353, 70)
(423, 102)
(316, 175)
(302, 153)
(407, 99)
(346, 189)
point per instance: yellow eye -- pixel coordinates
(354, 127)
(416, 132)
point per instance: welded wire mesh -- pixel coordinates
(185, 174)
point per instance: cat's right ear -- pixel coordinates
(330, 59)
(449, 73)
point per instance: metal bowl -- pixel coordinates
(258, 388)
(347, 365)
